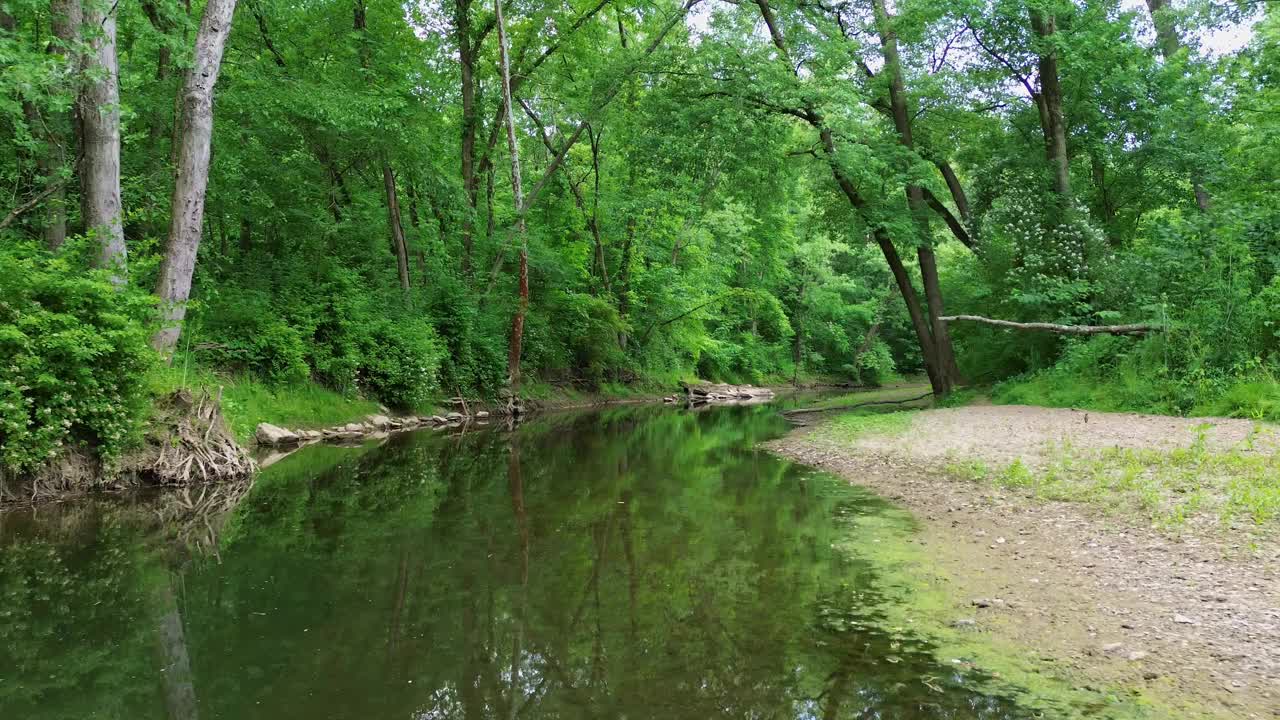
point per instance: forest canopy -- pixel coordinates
(407, 200)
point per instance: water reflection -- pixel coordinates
(637, 563)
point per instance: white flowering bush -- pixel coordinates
(73, 352)
(1046, 254)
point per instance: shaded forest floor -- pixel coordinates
(1121, 550)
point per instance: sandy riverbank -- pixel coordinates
(1190, 617)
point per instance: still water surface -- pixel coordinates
(632, 563)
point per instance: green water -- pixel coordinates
(637, 563)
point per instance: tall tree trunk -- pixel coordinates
(470, 185)
(944, 356)
(65, 19)
(513, 147)
(624, 279)
(397, 229)
(1045, 27)
(99, 110)
(1170, 43)
(44, 185)
(174, 284)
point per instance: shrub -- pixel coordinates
(240, 330)
(73, 352)
(401, 362)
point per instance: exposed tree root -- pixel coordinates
(193, 442)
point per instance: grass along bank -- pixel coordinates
(246, 401)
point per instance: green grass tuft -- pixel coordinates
(247, 401)
(851, 426)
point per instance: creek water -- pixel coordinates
(630, 563)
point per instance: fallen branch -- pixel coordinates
(842, 408)
(1135, 329)
(34, 201)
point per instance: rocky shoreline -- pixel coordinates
(378, 425)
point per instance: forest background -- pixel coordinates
(323, 206)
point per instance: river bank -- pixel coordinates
(1109, 546)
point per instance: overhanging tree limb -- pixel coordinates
(1134, 329)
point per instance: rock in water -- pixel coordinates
(268, 434)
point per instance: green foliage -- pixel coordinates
(400, 363)
(73, 350)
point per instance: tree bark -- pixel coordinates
(397, 228)
(513, 147)
(470, 186)
(66, 17)
(944, 356)
(1045, 27)
(99, 112)
(174, 284)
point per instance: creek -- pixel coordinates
(641, 562)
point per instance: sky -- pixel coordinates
(1217, 42)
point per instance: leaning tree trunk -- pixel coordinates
(919, 323)
(99, 110)
(522, 304)
(947, 373)
(174, 284)
(397, 228)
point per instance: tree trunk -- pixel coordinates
(246, 235)
(174, 284)
(1135, 329)
(51, 162)
(958, 195)
(466, 58)
(1051, 96)
(624, 279)
(513, 147)
(99, 111)
(397, 229)
(944, 356)
(65, 19)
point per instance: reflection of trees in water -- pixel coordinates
(639, 563)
